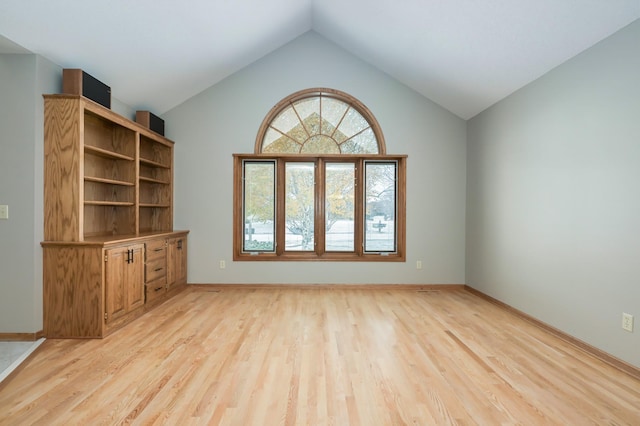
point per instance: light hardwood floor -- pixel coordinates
(320, 356)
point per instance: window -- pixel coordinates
(319, 185)
(259, 206)
(320, 121)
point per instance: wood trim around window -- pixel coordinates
(325, 92)
(319, 254)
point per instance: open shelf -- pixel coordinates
(108, 203)
(103, 218)
(154, 218)
(155, 153)
(107, 181)
(152, 180)
(152, 163)
(104, 174)
(106, 153)
(154, 174)
(155, 179)
(108, 137)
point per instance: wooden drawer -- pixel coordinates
(155, 289)
(156, 269)
(155, 249)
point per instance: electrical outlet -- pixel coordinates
(627, 322)
(418, 264)
(223, 264)
(4, 211)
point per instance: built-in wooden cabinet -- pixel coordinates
(108, 219)
(176, 261)
(124, 281)
(155, 268)
(165, 264)
(104, 174)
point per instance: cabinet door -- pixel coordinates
(115, 283)
(171, 261)
(124, 281)
(176, 261)
(181, 261)
(135, 277)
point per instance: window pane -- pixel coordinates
(380, 208)
(319, 124)
(299, 206)
(363, 143)
(276, 142)
(286, 121)
(339, 206)
(351, 124)
(309, 112)
(332, 113)
(259, 206)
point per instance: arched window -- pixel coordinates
(320, 121)
(319, 185)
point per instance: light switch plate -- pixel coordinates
(4, 211)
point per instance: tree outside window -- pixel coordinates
(320, 186)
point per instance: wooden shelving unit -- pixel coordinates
(155, 181)
(105, 175)
(108, 194)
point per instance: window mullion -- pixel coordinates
(360, 221)
(280, 213)
(319, 196)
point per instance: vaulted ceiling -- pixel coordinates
(462, 54)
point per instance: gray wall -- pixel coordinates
(23, 80)
(551, 183)
(553, 196)
(224, 119)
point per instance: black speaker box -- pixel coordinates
(77, 82)
(150, 121)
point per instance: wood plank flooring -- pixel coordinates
(320, 356)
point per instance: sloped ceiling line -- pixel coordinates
(464, 55)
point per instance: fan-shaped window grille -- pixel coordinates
(320, 122)
(319, 185)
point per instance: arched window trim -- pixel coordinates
(261, 211)
(290, 100)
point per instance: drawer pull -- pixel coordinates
(158, 289)
(158, 269)
(158, 249)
